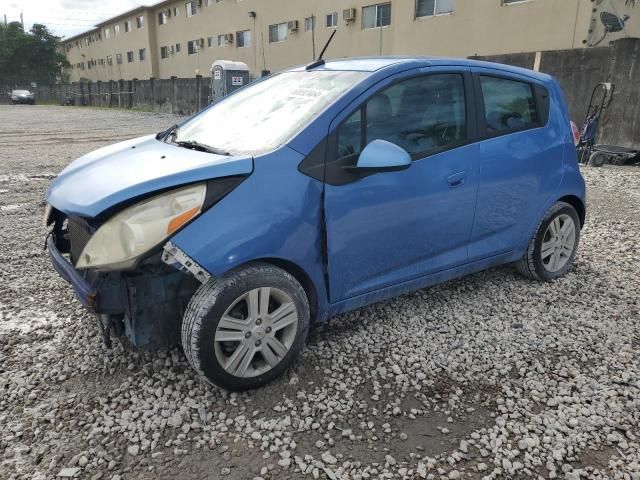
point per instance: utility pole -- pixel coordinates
(22, 19)
(5, 19)
(313, 35)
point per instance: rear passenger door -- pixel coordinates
(521, 157)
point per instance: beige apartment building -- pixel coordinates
(183, 38)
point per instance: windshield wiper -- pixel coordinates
(169, 131)
(193, 145)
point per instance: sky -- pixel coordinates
(65, 17)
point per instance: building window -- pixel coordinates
(164, 52)
(140, 21)
(509, 2)
(278, 32)
(190, 8)
(430, 8)
(162, 17)
(209, 42)
(119, 58)
(332, 20)
(107, 33)
(127, 26)
(309, 24)
(142, 53)
(243, 38)
(224, 39)
(129, 57)
(109, 60)
(376, 16)
(176, 11)
(177, 48)
(116, 29)
(193, 46)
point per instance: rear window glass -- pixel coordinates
(509, 105)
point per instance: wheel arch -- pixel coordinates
(578, 204)
(303, 278)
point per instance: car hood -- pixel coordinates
(117, 173)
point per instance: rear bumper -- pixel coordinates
(83, 289)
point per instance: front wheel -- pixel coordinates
(244, 330)
(553, 247)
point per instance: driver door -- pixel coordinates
(388, 227)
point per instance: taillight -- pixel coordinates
(576, 134)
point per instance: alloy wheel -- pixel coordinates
(558, 243)
(256, 332)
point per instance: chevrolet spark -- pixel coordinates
(314, 192)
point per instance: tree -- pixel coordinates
(32, 56)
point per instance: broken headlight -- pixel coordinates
(137, 229)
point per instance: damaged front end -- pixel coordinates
(144, 304)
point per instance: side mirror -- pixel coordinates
(384, 156)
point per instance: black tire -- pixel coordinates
(598, 159)
(531, 265)
(210, 302)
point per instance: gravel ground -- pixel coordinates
(491, 376)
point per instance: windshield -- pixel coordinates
(263, 116)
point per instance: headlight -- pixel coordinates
(137, 229)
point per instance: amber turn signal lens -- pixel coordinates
(181, 219)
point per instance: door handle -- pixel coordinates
(457, 179)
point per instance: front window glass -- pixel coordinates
(263, 116)
(421, 115)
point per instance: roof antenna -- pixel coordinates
(319, 62)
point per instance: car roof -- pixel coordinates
(398, 63)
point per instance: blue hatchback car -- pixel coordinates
(313, 192)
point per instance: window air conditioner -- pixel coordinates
(349, 14)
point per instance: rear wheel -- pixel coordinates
(244, 330)
(553, 247)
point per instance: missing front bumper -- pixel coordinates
(148, 303)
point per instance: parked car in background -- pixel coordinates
(314, 192)
(22, 96)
